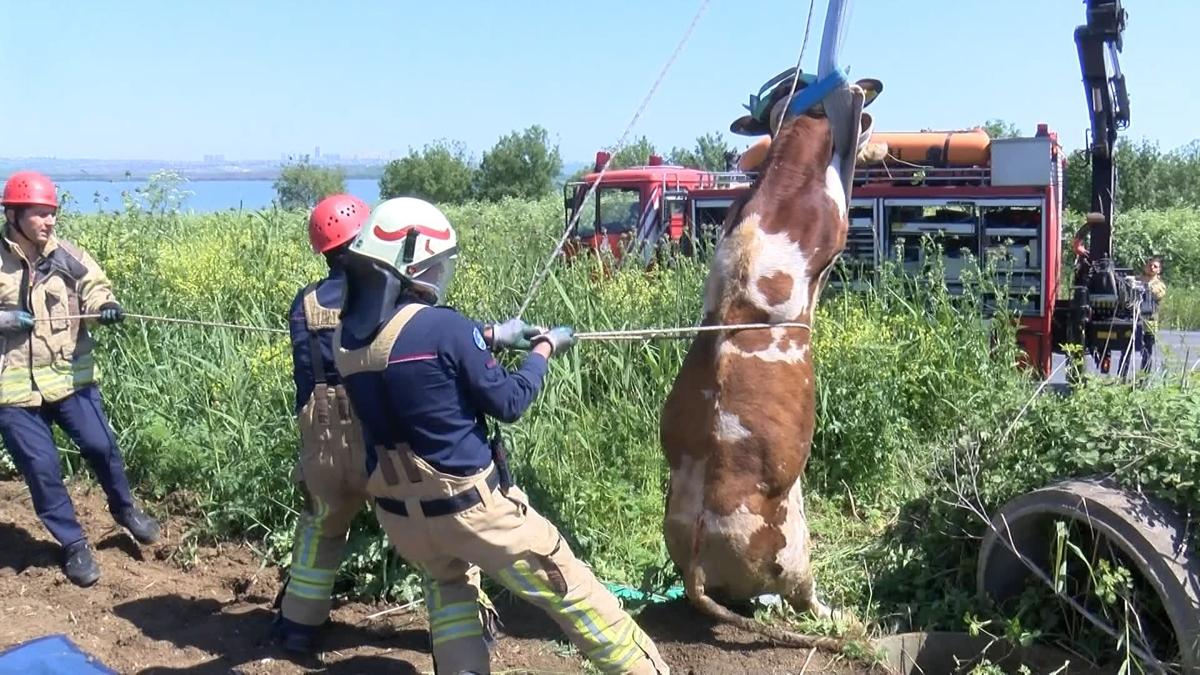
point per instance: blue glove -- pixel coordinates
(560, 338)
(111, 313)
(513, 334)
(15, 321)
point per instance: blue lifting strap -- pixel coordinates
(813, 94)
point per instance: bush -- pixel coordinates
(441, 172)
(302, 185)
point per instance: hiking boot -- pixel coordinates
(79, 565)
(143, 528)
(295, 637)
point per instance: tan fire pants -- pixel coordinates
(512, 544)
(331, 473)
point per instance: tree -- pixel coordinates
(441, 173)
(302, 185)
(521, 164)
(1001, 129)
(1146, 176)
(709, 153)
(636, 153)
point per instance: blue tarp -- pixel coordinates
(50, 655)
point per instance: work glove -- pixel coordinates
(15, 321)
(560, 338)
(513, 334)
(111, 313)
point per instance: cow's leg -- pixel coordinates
(794, 557)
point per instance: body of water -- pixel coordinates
(206, 195)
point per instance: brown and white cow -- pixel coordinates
(738, 423)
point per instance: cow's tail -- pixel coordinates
(700, 600)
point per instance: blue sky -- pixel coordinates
(176, 80)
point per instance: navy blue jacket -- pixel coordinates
(329, 294)
(440, 378)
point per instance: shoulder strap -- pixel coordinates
(312, 310)
(317, 316)
(375, 355)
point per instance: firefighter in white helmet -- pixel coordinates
(423, 380)
(330, 469)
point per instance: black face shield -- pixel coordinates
(373, 290)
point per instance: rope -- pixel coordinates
(167, 319)
(540, 278)
(599, 335)
(680, 332)
(799, 59)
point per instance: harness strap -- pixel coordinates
(317, 362)
(314, 355)
(816, 92)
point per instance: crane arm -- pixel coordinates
(1099, 42)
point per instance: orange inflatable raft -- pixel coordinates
(928, 148)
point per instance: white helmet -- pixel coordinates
(414, 238)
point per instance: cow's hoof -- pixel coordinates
(768, 600)
(848, 622)
(821, 610)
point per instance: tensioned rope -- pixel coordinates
(168, 319)
(799, 59)
(630, 334)
(541, 276)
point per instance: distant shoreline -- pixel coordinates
(194, 177)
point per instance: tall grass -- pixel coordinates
(903, 373)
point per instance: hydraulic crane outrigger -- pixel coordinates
(1106, 302)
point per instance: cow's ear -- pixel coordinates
(872, 88)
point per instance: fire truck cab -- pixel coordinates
(641, 210)
(972, 195)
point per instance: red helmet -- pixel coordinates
(29, 188)
(336, 220)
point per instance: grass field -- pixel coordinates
(908, 378)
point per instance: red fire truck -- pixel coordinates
(962, 190)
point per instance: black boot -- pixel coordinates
(79, 565)
(143, 528)
(295, 637)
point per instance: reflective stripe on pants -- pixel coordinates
(515, 545)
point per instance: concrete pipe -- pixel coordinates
(1149, 532)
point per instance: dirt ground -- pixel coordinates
(148, 614)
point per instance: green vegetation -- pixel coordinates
(441, 172)
(521, 165)
(911, 384)
(302, 185)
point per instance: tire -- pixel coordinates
(1150, 533)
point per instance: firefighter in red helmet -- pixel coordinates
(48, 372)
(331, 471)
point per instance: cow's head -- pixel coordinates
(842, 106)
(787, 231)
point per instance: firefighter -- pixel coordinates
(330, 470)
(423, 379)
(1145, 337)
(48, 372)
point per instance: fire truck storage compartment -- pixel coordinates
(952, 224)
(708, 216)
(860, 256)
(1021, 161)
(1012, 235)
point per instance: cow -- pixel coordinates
(737, 424)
